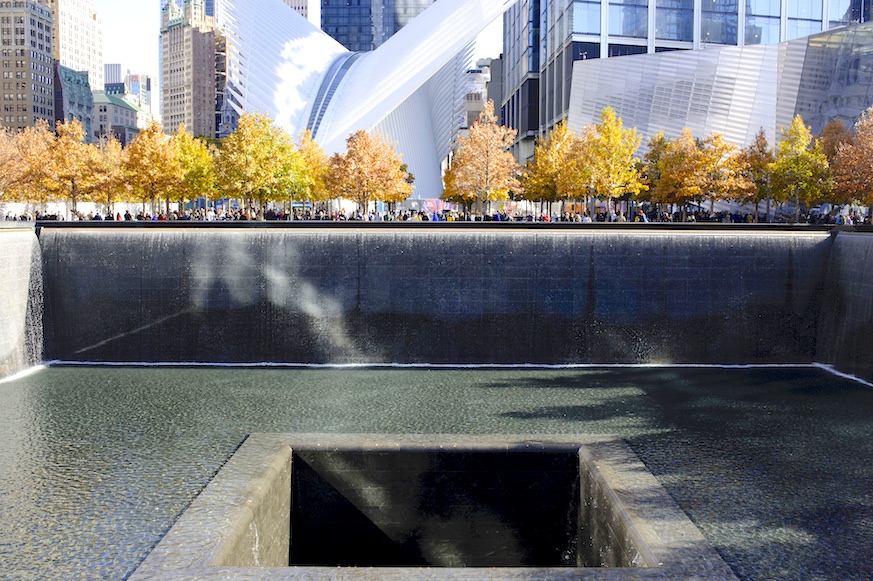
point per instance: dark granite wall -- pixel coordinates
(846, 329)
(433, 295)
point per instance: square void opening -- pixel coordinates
(425, 508)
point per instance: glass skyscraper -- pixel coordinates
(361, 25)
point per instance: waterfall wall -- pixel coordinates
(433, 295)
(21, 289)
(847, 310)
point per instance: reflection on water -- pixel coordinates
(773, 465)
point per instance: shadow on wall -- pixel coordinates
(433, 296)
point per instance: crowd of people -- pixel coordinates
(647, 214)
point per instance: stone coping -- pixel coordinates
(675, 227)
(197, 545)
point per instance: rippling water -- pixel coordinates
(774, 465)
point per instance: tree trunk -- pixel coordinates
(796, 205)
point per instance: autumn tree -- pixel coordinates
(757, 157)
(451, 193)
(152, 166)
(853, 164)
(310, 174)
(110, 183)
(681, 172)
(368, 171)
(724, 175)
(555, 157)
(197, 166)
(800, 170)
(68, 169)
(651, 174)
(614, 169)
(10, 165)
(483, 168)
(34, 146)
(834, 135)
(257, 161)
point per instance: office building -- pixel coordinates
(78, 38)
(544, 38)
(188, 76)
(733, 90)
(73, 99)
(111, 73)
(366, 24)
(117, 117)
(26, 31)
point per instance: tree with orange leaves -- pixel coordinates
(853, 164)
(483, 168)
(369, 170)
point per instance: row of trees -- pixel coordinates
(261, 164)
(258, 164)
(600, 162)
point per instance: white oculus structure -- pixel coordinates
(408, 90)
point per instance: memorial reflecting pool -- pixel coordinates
(774, 465)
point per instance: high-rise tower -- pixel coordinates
(188, 74)
(28, 80)
(366, 24)
(78, 38)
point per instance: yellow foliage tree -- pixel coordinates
(257, 161)
(197, 164)
(557, 170)
(110, 180)
(651, 173)
(68, 171)
(614, 169)
(368, 171)
(34, 146)
(10, 165)
(681, 171)
(484, 169)
(310, 174)
(724, 170)
(757, 157)
(152, 166)
(800, 170)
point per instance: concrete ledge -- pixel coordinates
(223, 534)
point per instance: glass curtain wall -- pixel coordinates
(674, 20)
(629, 18)
(804, 18)
(718, 22)
(762, 21)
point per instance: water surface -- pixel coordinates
(773, 464)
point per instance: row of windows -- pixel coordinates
(33, 6)
(674, 20)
